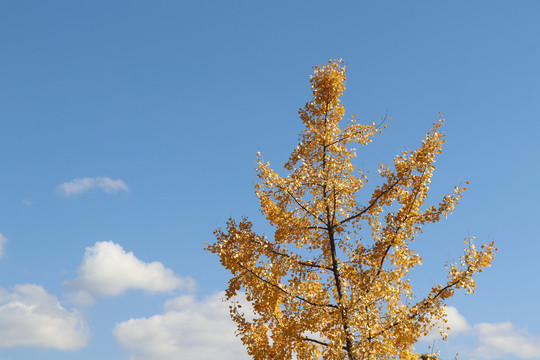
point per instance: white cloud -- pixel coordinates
(504, 339)
(3, 241)
(490, 340)
(455, 321)
(188, 329)
(82, 185)
(29, 316)
(108, 270)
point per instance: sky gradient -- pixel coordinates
(129, 132)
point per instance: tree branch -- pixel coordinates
(378, 127)
(303, 263)
(303, 207)
(367, 208)
(315, 341)
(251, 272)
(425, 302)
(391, 243)
(318, 227)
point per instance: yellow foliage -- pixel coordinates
(332, 282)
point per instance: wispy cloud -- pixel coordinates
(82, 185)
(108, 270)
(3, 241)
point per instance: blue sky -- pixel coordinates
(129, 132)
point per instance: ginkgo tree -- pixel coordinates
(333, 281)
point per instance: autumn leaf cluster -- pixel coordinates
(332, 281)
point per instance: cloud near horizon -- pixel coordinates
(82, 185)
(196, 329)
(505, 338)
(31, 317)
(494, 340)
(203, 330)
(108, 270)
